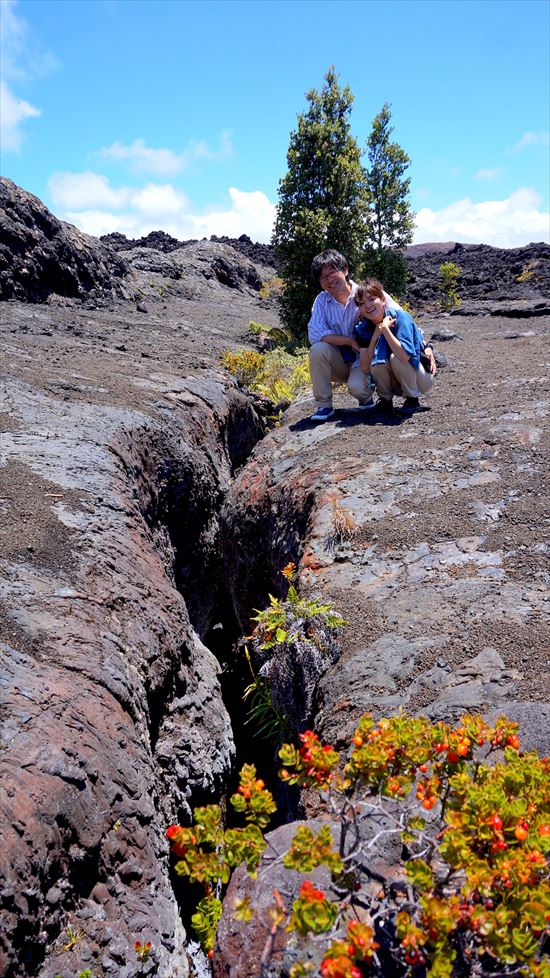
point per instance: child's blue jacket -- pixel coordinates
(407, 333)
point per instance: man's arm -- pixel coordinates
(334, 340)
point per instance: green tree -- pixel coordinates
(322, 198)
(391, 224)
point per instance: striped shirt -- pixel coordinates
(330, 316)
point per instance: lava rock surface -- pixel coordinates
(146, 516)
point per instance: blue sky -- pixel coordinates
(133, 115)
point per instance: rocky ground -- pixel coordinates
(145, 513)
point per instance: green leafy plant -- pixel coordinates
(207, 853)
(449, 273)
(473, 817)
(267, 720)
(87, 973)
(278, 374)
(289, 619)
(274, 333)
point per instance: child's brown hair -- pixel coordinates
(370, 287)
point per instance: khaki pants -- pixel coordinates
(397, 377)
(326, 367)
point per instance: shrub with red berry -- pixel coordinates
(472, 815)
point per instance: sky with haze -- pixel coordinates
(139, 115)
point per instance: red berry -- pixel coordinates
(496, 821)
(358, 740)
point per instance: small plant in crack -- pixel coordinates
(73, 937)
(267, 720)
(208, 853)
(143, 950)
(87, 973)
(343, 526)
(284, 622)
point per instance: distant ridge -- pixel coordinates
(444, 246)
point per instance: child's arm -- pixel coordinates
(366, 353)
(385, 330)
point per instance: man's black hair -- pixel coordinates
(331, 258)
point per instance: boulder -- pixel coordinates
(40, 255)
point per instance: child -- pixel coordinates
(393, 352)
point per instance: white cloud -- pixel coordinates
(159, 201)
(488, 173)
(86, 190)
(13, 111)
(89, 201)
(21, 58)
(508, 223)
(531, 139)
(165, 162)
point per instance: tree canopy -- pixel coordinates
(322, 197)
(328, 199)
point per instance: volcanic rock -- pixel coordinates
(487, 273)
(147, 514)
(40, 255)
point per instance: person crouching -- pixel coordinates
(393, 353)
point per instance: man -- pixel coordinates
(333, 357)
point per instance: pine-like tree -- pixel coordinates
(391, 226)
(322, 198)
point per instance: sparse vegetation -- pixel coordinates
(448, 285)
(343, 524)
(73, 937)
(272, 288)
(277, 374)
(274, 333)
(283, 621)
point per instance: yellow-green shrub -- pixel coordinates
(277, 374)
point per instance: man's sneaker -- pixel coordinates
(410, 404)
(384, 406)
(322, 414)
(366, 405)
